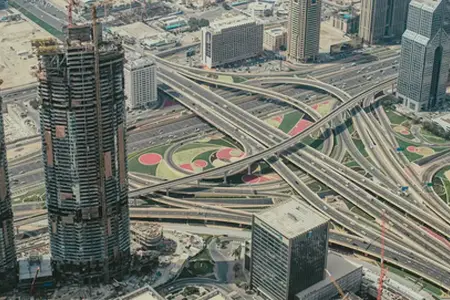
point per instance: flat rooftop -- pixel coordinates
(429, 5)
(139, 63)
(227, 22)
(144, 293)
(275, 31)
(291, 218)
(137, 30)
(28, 268)
(338, 267)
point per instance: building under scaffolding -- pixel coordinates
(7, 248)
(84, 152)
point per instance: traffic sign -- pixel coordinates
(404, 188)
(400, 149)
(430, 184)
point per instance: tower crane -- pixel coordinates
(341, 292)
(383, 271)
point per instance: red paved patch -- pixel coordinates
(316, 106)
(278, 119)
(150, 159)
(187, 167)
(405, 132)
(254, 179)
(200, 163)
(299, 127)
(437, 236)
(227, 153)
(411, 149)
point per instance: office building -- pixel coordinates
(141, 87)
(7, 246)
(347, 275)
(425, 56)
(289, 250)
(231, 39)
(346, 22)
(3, 4)
(304, 30)
(83, 134)
(382, 20)
(275, 38)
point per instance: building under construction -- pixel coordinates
(7, 248)
(81, 89)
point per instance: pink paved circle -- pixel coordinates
(227, 153)
(405, 132)
(187, 167)
(411, 149)
(200, 163)
(150, 159)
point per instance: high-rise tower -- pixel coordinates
(289, 250)
(303, 30)
(7, 247)
(81, 89)
(425, 56)
(382, 19)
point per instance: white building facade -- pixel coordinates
(231, 39)
(274, 38)
(141, 87)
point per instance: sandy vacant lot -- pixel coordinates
(15, 38)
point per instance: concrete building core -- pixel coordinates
(382, 19)
(289, 250)
(231, 39)
(141, 86)
(425, 56)
(304, 30)
(7, 245)
(83, 134)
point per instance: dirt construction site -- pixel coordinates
(16, 57)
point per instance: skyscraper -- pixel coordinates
(85, 161)
(7, 247)
(425, 56)
(303, 30)
(382, 19)
(289, 250)
(141, 86)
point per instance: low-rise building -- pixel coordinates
(231, 39)
(140, 83)
(260, 9)
(275, 38)
(346, 22)
(146, 292)
(347, 275)
(35, 268)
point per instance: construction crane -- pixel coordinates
(70, 6)
(33, 284)
(340, 291)
(382, 269)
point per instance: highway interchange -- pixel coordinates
(224, 106)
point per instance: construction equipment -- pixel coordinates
(341, 292)
(33, 284)
(382, 269)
